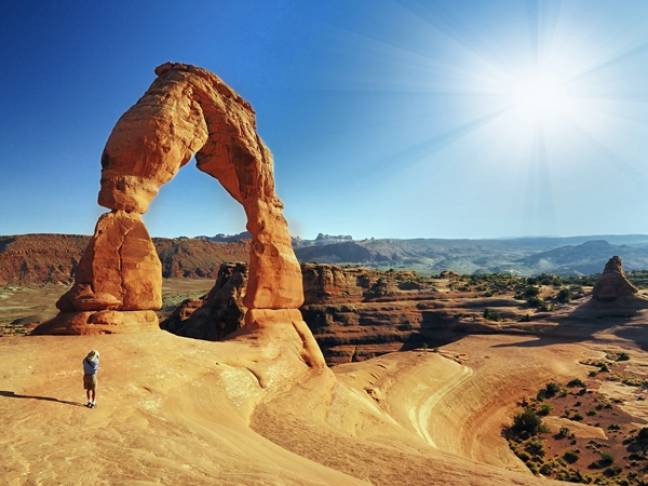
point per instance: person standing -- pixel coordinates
(90, 369)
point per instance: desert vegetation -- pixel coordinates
(576, 432)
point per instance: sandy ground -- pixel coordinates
(173, 410)
(180, 411)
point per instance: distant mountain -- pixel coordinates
(223, 238)
(587, 258)
(41, 258)
(527, 256)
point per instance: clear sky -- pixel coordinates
(386, 119)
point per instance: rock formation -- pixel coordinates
(613, 284)
(354, 312)
(187, 111)
(54, 258)
(216, 314)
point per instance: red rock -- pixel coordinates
(613, 283)
(120, 268)
(102, 322)
(216, 314)
(186, 111)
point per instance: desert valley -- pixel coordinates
(132, 355)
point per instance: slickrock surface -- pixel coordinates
(613, 283)
(251, 411)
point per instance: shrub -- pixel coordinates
(527, 423)
(546, 469)
(491, 315)
(524, 457)
(562, 433)
(535, 448)
(571, 456)
(544, 410)
(564, 296)
(577, 417)
(550, 390)
(606, 460)
(623, 357)
(536, 302)
(576, 382)
(612, 471)
(640, 441)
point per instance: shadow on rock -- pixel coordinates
(10, 394)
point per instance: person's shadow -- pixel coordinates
(10, 394)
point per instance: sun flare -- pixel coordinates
(540, 97)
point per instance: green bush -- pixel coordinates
(606, 460)
(571, 456)
(535, 448)
(544, 410)
(546, 469)
(564, 296)
(576, 383)
(562, 433)
(527, 423)
(549, 391)
(491, 315)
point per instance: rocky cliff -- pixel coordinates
(354, 312)
(51, 258)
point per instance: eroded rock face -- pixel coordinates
(613, 283)
(354, 312)
(120, 268)
(187, 111)
(216, 314)
(325, 283)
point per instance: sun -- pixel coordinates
(540, 96)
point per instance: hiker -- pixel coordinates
(90, 368)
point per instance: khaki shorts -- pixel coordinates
(89, 382)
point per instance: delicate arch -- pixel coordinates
(186, 111)
(118, 283)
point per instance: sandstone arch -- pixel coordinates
(187, 110)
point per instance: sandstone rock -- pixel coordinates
(355, 313)
(53, 258)
(120, 268)
(186, 111)
(613, 284)
(81, 297)
(216, 314)
(102, 322)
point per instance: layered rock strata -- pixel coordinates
(187, 111)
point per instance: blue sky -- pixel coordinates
(386, 119)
